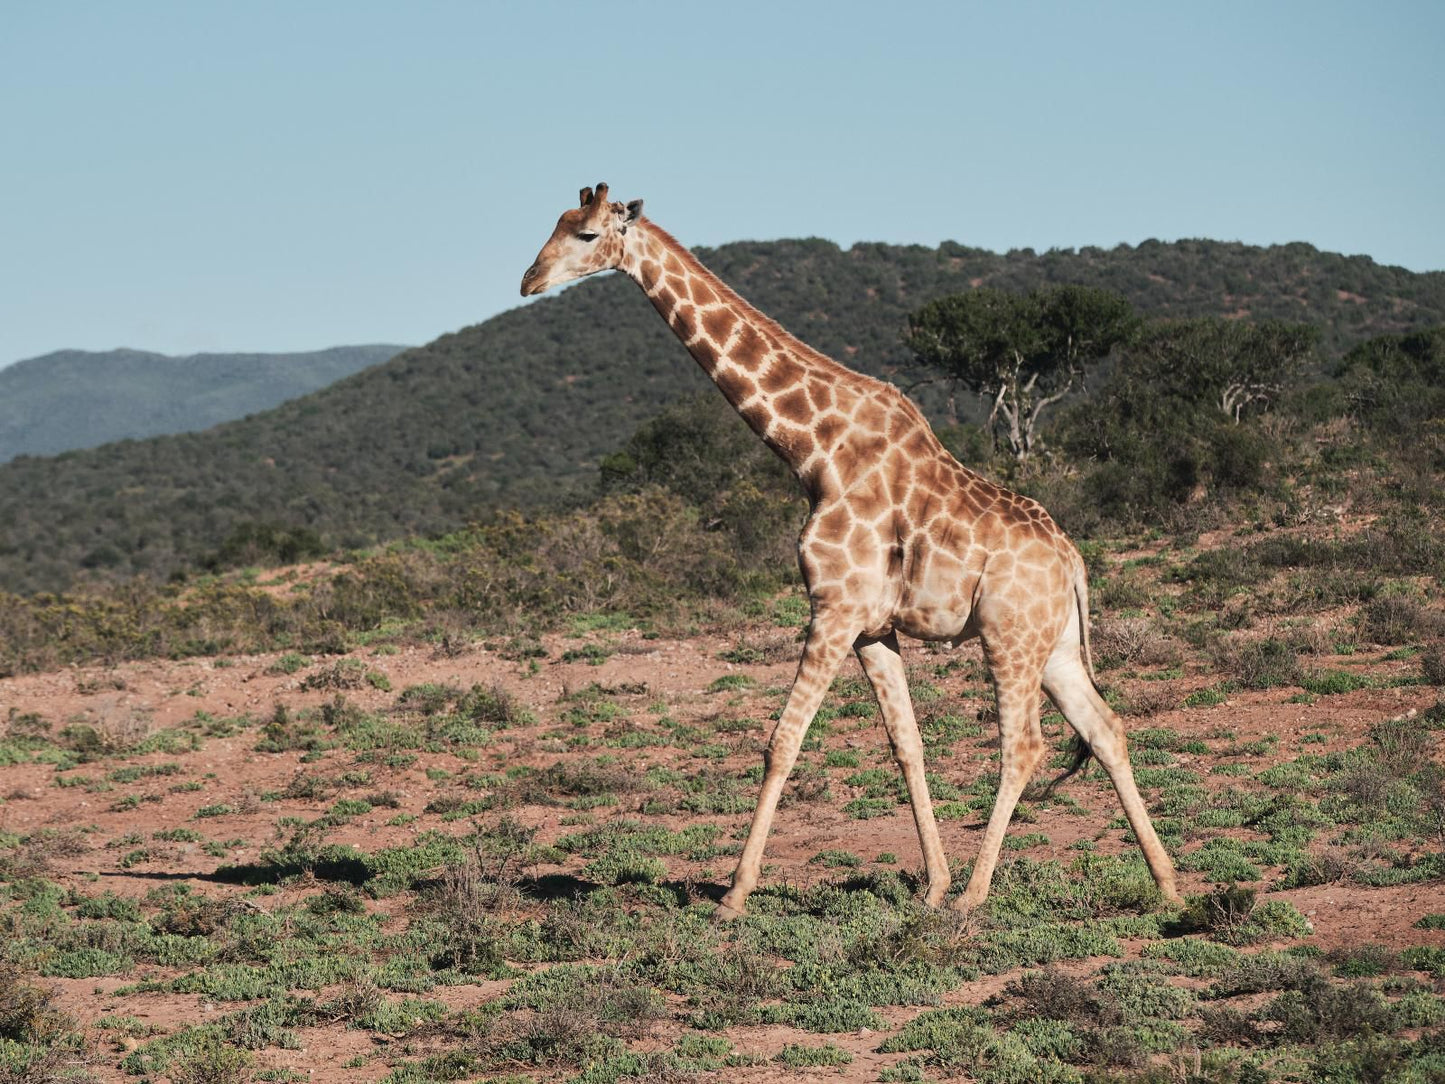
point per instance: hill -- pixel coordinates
(79, 399)
(517, 410)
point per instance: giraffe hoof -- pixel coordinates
(934, 896)
(963, 905)
(726, 913)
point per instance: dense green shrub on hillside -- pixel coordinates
(1395, 386)
(1178, 419)
(644, 553)
(251, 543)
(517, 412)
(697, 448)
(700, 450)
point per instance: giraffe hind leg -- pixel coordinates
(1069, 686)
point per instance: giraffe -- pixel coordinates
(900, 539)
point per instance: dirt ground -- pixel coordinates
(649, 676)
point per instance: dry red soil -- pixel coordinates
(670, 676)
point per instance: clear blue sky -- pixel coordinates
(293, 175)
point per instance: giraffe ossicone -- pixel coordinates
(901, 538)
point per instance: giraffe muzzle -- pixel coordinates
(533, 282)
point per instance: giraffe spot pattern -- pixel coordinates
(794, 406)
(827, 429)
(717, 324)
(684, 321)
(749, 349)
(735, 383)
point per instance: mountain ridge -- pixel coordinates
(70, 399)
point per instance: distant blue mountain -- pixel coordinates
(78, 399)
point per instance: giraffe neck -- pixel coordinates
(778, 383)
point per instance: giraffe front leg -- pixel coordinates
(824, 651)
(883, 665)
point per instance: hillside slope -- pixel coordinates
(515, 411)
(79, 399)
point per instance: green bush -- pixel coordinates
(1266, 664)
(798, 1056)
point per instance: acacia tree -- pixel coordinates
(1025, 352)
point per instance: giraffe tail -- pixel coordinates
(1079, 749)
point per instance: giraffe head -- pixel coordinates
(587, 239)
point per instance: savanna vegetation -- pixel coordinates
(539, 907)
(1188, 425)
(511, 877)
(517, 412)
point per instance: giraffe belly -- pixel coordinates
(941, 614)
(937, 598)
(934, 624)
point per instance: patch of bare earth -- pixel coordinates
(651, 678)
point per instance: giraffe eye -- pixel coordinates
(587, 235)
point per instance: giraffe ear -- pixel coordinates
(634, 210)
(585, 196)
